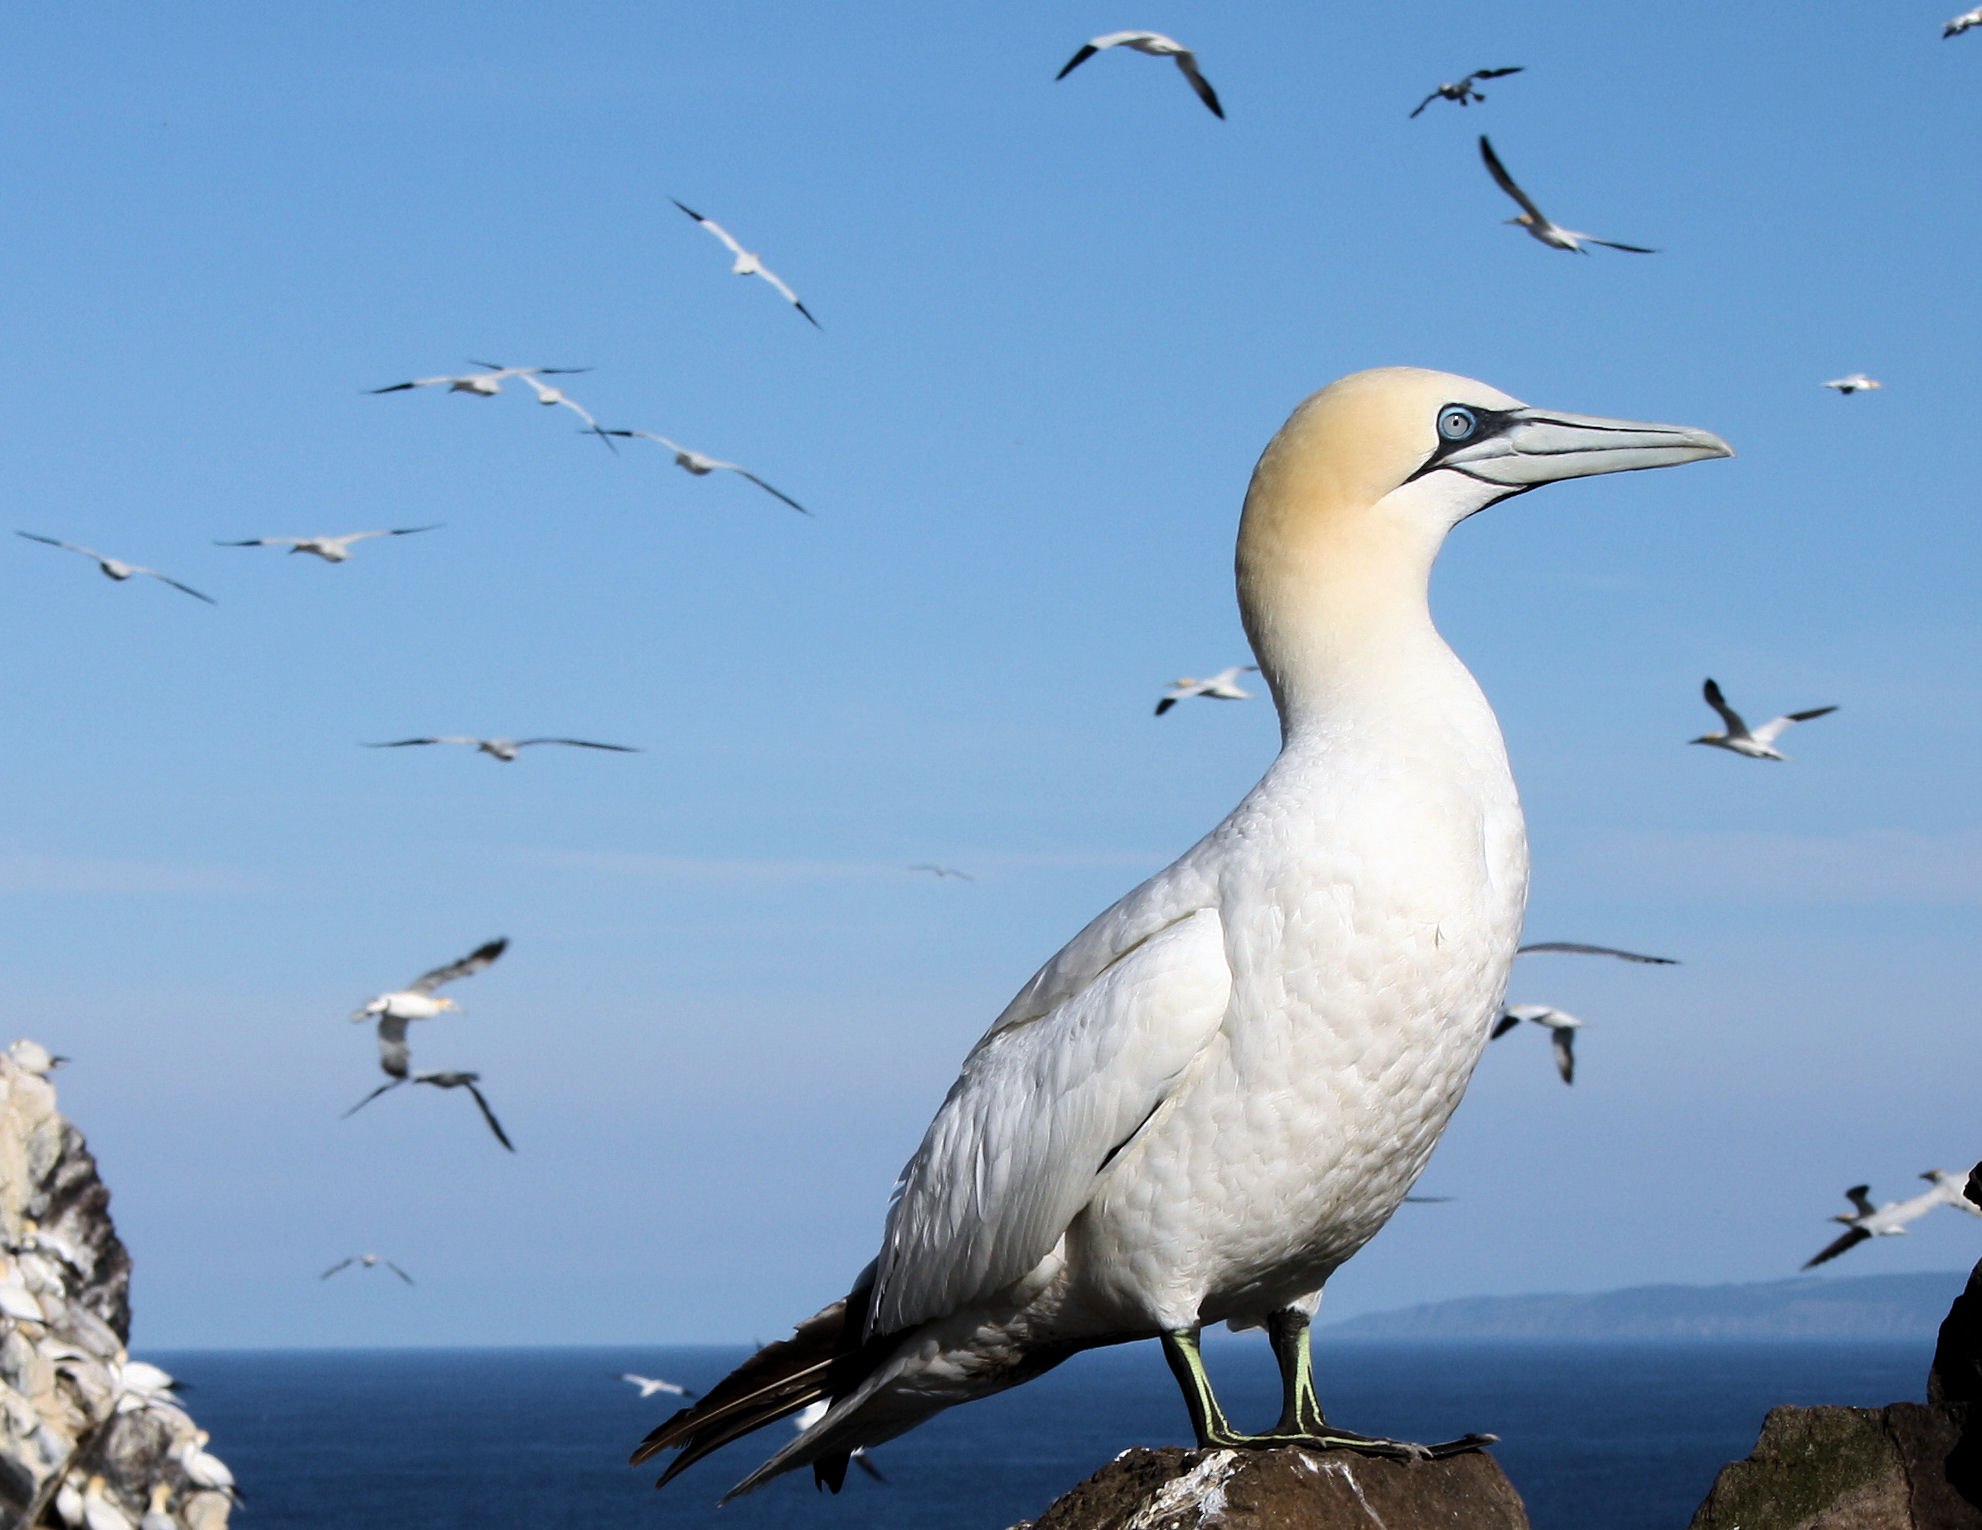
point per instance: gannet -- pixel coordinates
(416, 1000)
(33, 1057)
(101, 1511)
(368, 1262)
(1462, 90)
(1562, 1027)
(1577, 948)
(117, 568)
(157, 1515)
(503, 749)
(1537, 222)
(1223, 686)
(551, 397)
(702, 466)
(1962, 23)
(940, 872)
(69, 1502)
(1156, 45)
(486, 383)
(204, 1469)
(748, 263)
(649, 1385)
(1218, 1091)
(1857, 382)
(330, 549)
(466, 1081)
(1756, 743)
(1894, 1217)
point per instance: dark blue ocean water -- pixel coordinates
(1595, 1437)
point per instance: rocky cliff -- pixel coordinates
(86, 1432)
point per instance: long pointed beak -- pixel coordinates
(1536, 446)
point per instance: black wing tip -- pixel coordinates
(687, 209)
(1087, 51)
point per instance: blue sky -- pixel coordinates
(1059, 322)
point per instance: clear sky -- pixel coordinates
(1059, 322)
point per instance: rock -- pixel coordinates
(68, 1413)
(1287, 1489)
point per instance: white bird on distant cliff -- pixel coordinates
(649, 1385)
(1857, 382)
(1894, 1217)
(330, 549)
(1156, 45)
(486, 383)
(368, 1262)
(157, 1515)
(1222, 1088)
(18, 1303)
(1539, 223)
(1561, 1025)
(100, 1510)
(701, 466)
(117, 568)
(747, 262)
(1756, 743)
(34, 1058)
(1961, 23)
(204, 1469)
(503, 749)
(416, 1000)
(1222, 686)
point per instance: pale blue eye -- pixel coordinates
(1455, 423)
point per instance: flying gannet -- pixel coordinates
(416, 1000)
(1894, 1217)
(649, 1385)
(330, 549)
(368, 1262)
(1562, 1027)
(1857, 382)
(1577, 948)
(940, 872)
(1156, 45)
(1462, 90)
(1222, 686)
(439, 1080)
(486, 383)
(1756, 743)
(116, 568)
(702, 466)
(1962, 23)
(503, 749)
(1218, 1091)
(550, 397)
(747, 263)
(1537, 222)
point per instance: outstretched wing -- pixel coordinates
(1424, 103)
(1503, 1025)
(397, 1271)
(1612, 244)
(468, 966)
(394, 1055)
(1728, 716)
(1772, 730)
(1577, 948)
(1850, 1239)
(390, 1084)
(186, 589)
(1087, 51)
(1042, 1107)
(575, 743)
(341, 1264)
(1506, 182)
(1187, 61)
(1494, 74)
(489, 1116)
(785, 291)
(1565, 1054)
(712, 226)
(1861, 1200)
(774, 493)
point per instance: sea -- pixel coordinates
(1594, 1436)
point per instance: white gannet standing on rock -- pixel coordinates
(1220, 1090)
(1756, 743)
(1156, 45)
(32, 1057)
(1223, 686)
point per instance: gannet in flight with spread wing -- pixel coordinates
(1961, 23)
(416, 1000)
(486, 383)
(702, 466)
(649, 1385)
(1537, 222)
(1156, 45)
(117, 568)
(1756, 743)
(1893, 1218)
(368, 1262)
(1857, 382)
(1561, 1025)
(1220, 1090)
(1462, 90)
(442, 1080)
(1224, 686)
(748, 263)
(503, 749)
(330, 549)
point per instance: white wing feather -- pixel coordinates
(1012, 1156)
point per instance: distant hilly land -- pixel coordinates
(1860, 1307)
